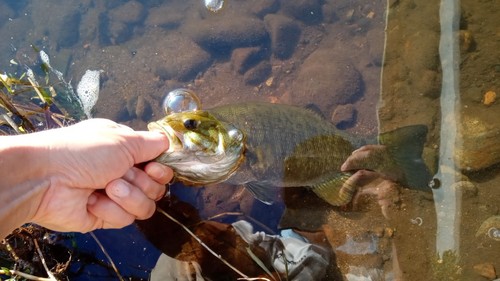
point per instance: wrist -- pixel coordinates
(23, 180)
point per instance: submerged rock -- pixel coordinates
(308, 11)
(487, 270)
(326, 78)
(242, 59)
(68, 33)
(117, 26)
(164, 16)
(480, 147)
(344, 116)
(285, 34)
(258, 74)
(220, 34)
(177, 58)
(490, 228)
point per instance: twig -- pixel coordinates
(255, 278)
(203, 244)
(259, 262)
(10, 272)
(263, 226)
(40, 254)
(107, 256)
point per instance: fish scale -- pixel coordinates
(286, 146)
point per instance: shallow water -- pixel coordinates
(368, 66)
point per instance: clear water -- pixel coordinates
(368, 66)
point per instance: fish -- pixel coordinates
(267, 146)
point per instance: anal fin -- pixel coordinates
(336, 191)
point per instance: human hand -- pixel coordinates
(96, 155)
(376, 158)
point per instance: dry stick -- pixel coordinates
(40, 254)
(265, 227)
(203, 244)
(10, 272)
(107, 256)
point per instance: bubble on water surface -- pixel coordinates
(181, 100)
(88, 90)
(214, 5)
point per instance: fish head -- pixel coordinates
(202, 149)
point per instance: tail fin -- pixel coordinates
(406, 145)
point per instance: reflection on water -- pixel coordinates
(447, 198)
(367, 68)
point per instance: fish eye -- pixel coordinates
(190, 124)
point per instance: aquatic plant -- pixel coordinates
(446, 267)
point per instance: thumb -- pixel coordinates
(147, 145)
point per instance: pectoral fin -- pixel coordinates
(262, 191)
(338, 191)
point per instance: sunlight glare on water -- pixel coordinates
(447, 198)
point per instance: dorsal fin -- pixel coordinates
(315, 109)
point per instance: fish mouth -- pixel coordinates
(175, 139)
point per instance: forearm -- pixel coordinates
(22, 180)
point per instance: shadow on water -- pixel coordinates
(368, 68)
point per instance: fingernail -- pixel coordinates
(156, 171)
(343, 167)
(120, 189)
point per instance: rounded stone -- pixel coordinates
(344, 116)
(285, 34)
(327, 81)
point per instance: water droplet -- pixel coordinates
(181, 100)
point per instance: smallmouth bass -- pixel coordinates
(266, 146)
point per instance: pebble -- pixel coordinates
(466, 40)
(489, 98)
(467, 188)
(344, 116)
(486, 270)
(488, 227)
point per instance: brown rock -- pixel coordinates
(285, 34)
(130, 12)
(164, 16)
(175, 56)
(117, 26)
(327, 80)
(421, 51)
(344, 116)
(480, 147)
(243, 59)
(308, 11)
(223, 33)
(486, 270)
(258, 74)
